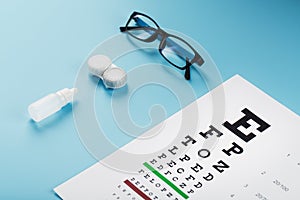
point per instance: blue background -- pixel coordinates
(43, 43)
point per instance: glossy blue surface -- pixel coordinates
(43, 43)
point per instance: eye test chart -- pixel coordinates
(255, 155)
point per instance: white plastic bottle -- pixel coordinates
(50, 104)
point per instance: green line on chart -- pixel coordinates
(174, 187)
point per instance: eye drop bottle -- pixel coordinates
(50, 104)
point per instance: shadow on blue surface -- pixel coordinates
(51, 121)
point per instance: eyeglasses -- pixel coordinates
(174, 49)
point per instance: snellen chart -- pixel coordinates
(256, 156)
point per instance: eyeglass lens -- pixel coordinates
(177, 52)
(141, 22)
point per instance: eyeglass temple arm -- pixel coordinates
(187, 73)
(179, 50)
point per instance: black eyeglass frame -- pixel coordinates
(158, 32)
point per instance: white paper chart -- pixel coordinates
(255, 156)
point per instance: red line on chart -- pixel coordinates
(137, 190)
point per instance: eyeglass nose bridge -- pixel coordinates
(159, 34)
(162, 36)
